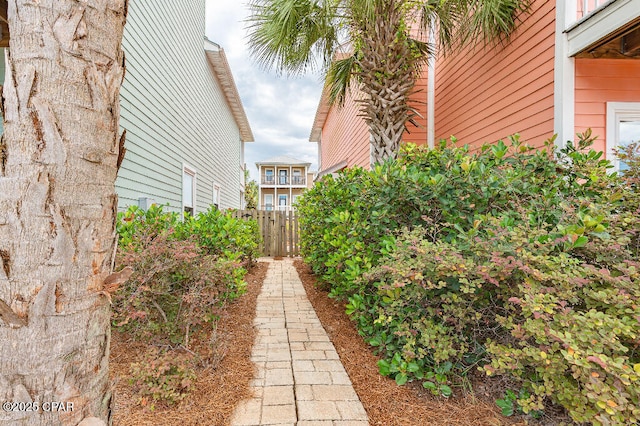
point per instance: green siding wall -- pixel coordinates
(174, 110)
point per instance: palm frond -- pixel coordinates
(292, 35)
(469, 22)
(443, 17)
(362, 10)
(339, 76)
(491, 21)
(423, 50)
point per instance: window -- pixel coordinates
(268, 201)
(216, 196)
(296, 179)
(188, 190)
(623, 127)
(629, 132)
(282, 202)
(283, 177)
(268, 177)
(294, 199)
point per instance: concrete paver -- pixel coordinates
(299, 377)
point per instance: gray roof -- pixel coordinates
(282, 160)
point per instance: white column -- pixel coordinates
(564, 75)
(431, 93)
(370, 151)
(258, 207)
(320, 153)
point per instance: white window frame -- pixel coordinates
(265, 201)
(191, 171)
(281, 175)
(216, 195)
(273, 175)
(296, 175)
(616, 112)
(286, 201)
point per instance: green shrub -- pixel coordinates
(573, 337)
(184, 272)
(348, 221)
(217, 233)
(135, 222)
(220, 234)
(175, 289)
(565, 328)
(332, 233)
(510, 260)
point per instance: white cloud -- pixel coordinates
(280, 109)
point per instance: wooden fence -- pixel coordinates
(279, 230)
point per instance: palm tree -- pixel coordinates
(380, 45)
(59, 157)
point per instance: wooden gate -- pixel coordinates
(279, 231)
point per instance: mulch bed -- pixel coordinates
(222, 385)
(219, 387)
(386, 403)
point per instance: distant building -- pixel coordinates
(282, 180)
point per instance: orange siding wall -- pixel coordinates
(599, 81)
(418, 100)
(345, 137)
(488, 94)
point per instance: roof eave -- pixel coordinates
(321, 116)
(218, 61)
(333, 169)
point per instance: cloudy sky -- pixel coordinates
(280, 109)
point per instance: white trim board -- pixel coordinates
(598, 25)
(564, 77)
(192, 171)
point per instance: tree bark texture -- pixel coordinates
(388, 69)
(58, 164)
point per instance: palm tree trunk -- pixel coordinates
(387, 77)
(57, 207)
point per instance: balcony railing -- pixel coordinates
(268, 180)
(282, 208)
(298, 180)
(283, 180)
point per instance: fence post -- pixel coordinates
(277, 233)
(296, 248)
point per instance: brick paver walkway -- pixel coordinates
(300, 379)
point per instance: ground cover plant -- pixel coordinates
(224, 369)
(184, 273)
(510, 261)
